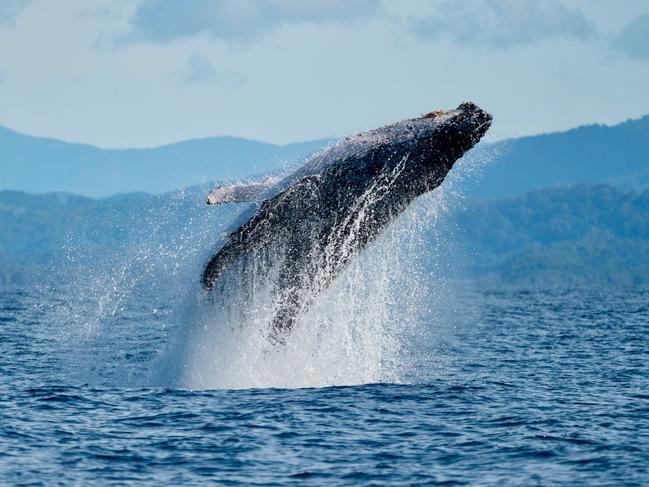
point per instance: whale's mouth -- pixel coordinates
(481, 129)
(484, 125)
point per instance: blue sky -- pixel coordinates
(137, 73)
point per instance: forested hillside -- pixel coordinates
(579, 235)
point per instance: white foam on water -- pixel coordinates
(345, 337)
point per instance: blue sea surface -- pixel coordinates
(536, 387)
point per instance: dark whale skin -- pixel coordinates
(321, 216)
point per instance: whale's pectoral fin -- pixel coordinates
(275, 217)
(239, 193)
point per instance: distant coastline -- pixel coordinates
(581, 235)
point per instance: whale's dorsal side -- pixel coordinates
(240, 193)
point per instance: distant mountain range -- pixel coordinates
(43, 165)
(589, 234)
(562, 208)
(617, 155)
(586, 234)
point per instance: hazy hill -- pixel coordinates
(45, 232)
(617, 155)
(37, 164)
(587, 234)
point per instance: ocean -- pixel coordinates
(507, 387)
(117, 368)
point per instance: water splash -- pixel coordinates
(123, 270)
(359, 330)
(138, 315)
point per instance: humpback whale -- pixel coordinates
(309, 225)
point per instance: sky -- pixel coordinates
(141, 73)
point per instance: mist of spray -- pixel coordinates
(361, 329)
(134, 314)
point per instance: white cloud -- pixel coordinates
(300, 80)
(10, 9)
(167, 20)
(502, 23)
(634, 39)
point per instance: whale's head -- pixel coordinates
(456, 130)
(431, 144)
(436, 140)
